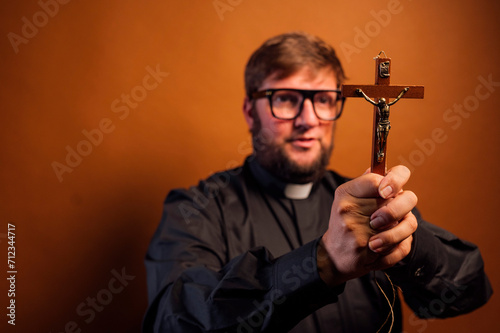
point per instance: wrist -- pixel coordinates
(326, 268)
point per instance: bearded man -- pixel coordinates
(281, 244)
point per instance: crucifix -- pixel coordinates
(381, 91)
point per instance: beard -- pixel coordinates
(275, 159)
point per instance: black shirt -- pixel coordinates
(234, 254)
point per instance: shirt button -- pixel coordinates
(418, 272)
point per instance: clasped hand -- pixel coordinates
(370, 227)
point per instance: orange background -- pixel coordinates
(73, 231)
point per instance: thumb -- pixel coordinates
(365, 186)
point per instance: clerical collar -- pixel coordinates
(288, 190)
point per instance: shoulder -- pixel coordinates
(211, 194)
(334, 179)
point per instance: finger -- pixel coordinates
(383, 227)
(390, 238)
(394, 181)
(394, 210)
(394, 256)
(365, 186)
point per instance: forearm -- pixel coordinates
(252, 290)
(443, 275)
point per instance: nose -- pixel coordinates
(307, 117)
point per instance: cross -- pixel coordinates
(381, 91)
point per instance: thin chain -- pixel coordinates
(391, 304)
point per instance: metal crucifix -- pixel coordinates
(381, 91)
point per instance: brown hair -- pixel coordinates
(285, 54)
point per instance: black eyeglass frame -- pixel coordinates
(306, 94)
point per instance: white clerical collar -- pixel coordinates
(288, 190)
(297, 191)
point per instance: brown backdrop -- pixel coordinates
(92, 141)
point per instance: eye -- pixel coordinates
(324, 98)
(288, 98)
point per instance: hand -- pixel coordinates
(370, 227)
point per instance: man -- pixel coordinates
(280, 244)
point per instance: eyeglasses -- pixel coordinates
(287, 104)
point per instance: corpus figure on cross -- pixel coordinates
(384, 125)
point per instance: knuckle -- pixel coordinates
(405, 171)
(375, 180)
(405, 247)
(412, 221)
(397, 254)
(412, 197)
(344, 207)
(402, 171)
(391, 213)
(399, 174)
(371, 180)
(361, 242)
(340, 190)
(389, 261)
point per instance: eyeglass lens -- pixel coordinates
(286, 104)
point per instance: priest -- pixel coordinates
(281, 244)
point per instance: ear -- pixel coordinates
(247, 112)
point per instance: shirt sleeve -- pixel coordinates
(193, 287)
(443, 276)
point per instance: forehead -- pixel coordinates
(304, 78)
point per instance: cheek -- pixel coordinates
(328, 133)
(274, 129)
